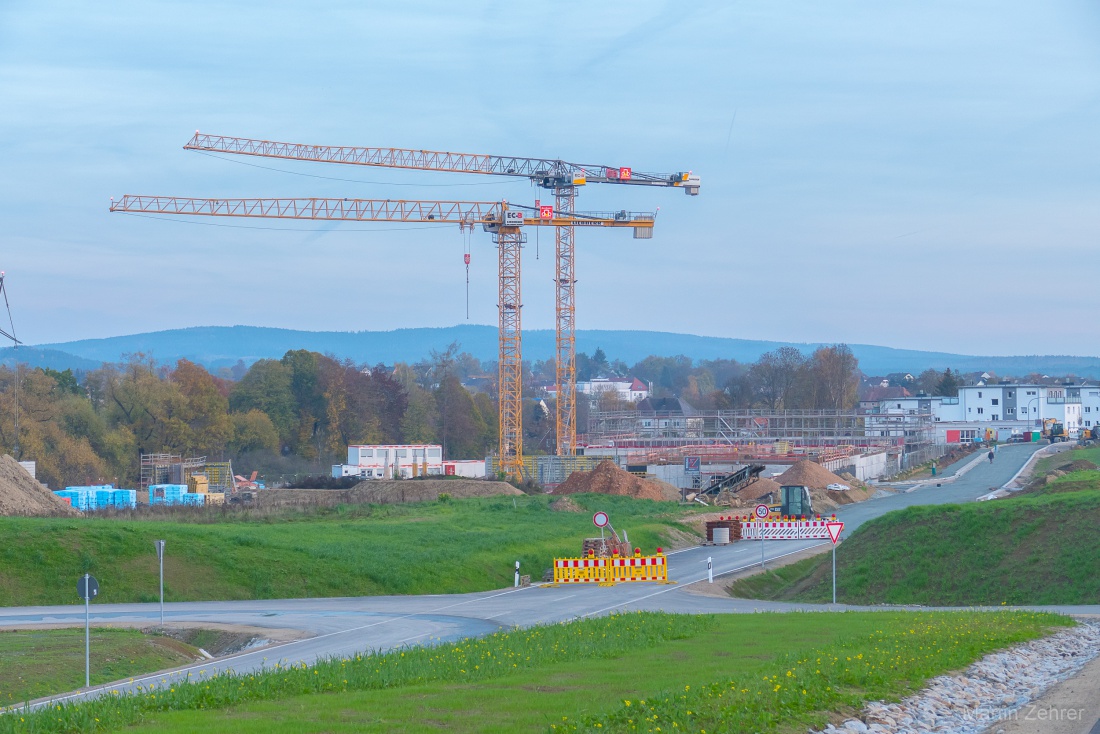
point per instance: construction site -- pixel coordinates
(685, 446)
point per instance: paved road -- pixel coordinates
(340, 627)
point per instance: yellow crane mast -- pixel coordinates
(561, 177)
(503, 220)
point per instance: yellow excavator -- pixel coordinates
(1054, 431)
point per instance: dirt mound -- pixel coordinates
(809, 474)
(607, 478)
(759, 489)
(384, 492)
(1079, 465)
(828, 500)
(851, 481)
(20, 494)
(564, 504)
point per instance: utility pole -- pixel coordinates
(160, 557)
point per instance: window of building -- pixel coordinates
(366, 453)
(899, 406)
(995, 401)
(979, 393)
(435, 453)
(1030, 392)
(981, 410)
(1088, 409)
(402, 453)
(996, 417)
(1009, 393)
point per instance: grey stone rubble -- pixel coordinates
(989, 691)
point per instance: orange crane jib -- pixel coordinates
(546, 172)
(490, 214)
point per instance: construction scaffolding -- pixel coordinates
(169, 469)
(743, 436)
(219, 474)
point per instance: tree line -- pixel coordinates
(292, 415)
(298, 414)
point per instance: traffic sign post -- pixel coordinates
(87, 587)
(834, 529)
(710, 570)
(762, 511)
(160, 557)
(517, 574)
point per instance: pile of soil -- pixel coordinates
(1079, 465)
(759, 489)
(384, 492)
(607, 478)
(851, 481)
(808, 473)
(564, 504)
(826, 500)
(21, 494)
(750, 495)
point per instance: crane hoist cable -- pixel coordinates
(15, 379)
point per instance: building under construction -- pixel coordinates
(829, 437)
(175, 469)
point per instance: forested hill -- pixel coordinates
(218, 346)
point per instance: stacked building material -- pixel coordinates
(731, 523)
(98, 497)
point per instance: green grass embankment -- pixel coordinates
(1040, 548)
(40, 663)
(441, 547)
(633, 672)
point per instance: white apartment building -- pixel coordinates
(390, 461)
(627, 389)
(1002, 408)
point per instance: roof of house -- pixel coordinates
(875, 393)
(665, 405)
(639, 386)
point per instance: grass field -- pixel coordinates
(1039, 548)
(758, 672)
(39, 663)
(440, 547)
(1049, 463)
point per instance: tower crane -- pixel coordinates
(503, 220)
(562, 177)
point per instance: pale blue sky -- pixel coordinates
(913, 174)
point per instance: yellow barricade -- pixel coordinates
(611, 570)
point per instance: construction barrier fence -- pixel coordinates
(785, 530)
(610, 570)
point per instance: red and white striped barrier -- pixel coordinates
(785, 530)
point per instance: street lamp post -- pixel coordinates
(1029, 402)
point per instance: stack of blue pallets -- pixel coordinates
(169, 494)
(98, 497)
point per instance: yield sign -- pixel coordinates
(834, 529)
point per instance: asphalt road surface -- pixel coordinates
(343, 627)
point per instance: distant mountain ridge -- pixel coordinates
(223, 346)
